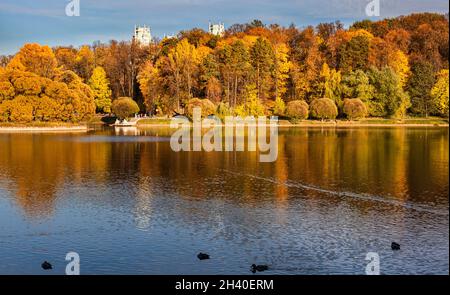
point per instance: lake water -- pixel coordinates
(128, 204)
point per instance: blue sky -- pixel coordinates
(45, 21)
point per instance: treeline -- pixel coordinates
(387, 68)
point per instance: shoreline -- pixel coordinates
(317, 124)
(49, 129)
(281, 124)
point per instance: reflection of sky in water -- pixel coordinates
(128, 204)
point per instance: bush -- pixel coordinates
(279, 108)
(323, 108)
(223, 111)
(354, 109)
(297, 110)
(123, 107)
(208, 108)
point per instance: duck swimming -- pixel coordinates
(259, 268)
(395, 246)
(202, 256)
(46, 265)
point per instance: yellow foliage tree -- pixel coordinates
(252, 105)
(398, 61)
(439, 93)
(149, 84)
(100, 87)
(331, 84)
(282, 67)
(36, 59)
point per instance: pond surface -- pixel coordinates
(128, 204)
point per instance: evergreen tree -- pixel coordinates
(262, 58)
(419, 87)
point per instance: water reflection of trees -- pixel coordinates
(37, 166)
(396, 163)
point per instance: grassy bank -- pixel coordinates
(42, 127)
(154, 121)
(40, 124)
(375, 122)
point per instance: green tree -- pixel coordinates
(389, 98)
(240, 69)
(100, 87)
(330, 84)
(419, 87)
(263, 60)
(356, 85)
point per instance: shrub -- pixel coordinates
(124, 107)
(354, 109)
(297, 110)
(280, 107)
(223, 111)
(323, 108)
(207, 106)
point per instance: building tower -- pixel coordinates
(142, 35)
(216, 29)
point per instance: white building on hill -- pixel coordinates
(142, 35)
(216, 29)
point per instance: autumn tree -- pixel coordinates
(354, 54)
(439, 93)
(84, 62)
(323, 108)
(182, 64)
(297, 110)
(32, 91)
(36, 59)
(282, 66)
(279, 108)
(307, 61)
(66, 57)
(399, 38)
(354, 109)
(124, 107)
(150, 86)
(252, 105)
(330, 84)
(100, 87)
(206, 106)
